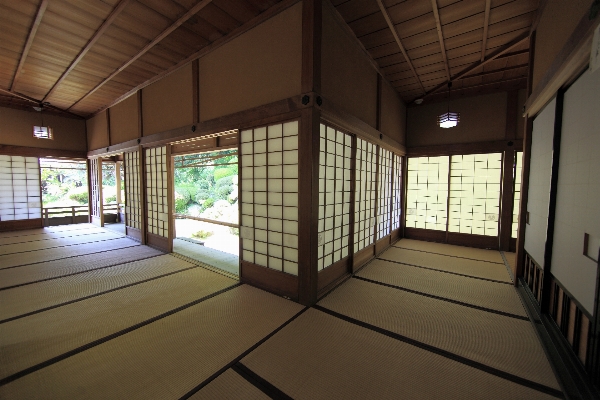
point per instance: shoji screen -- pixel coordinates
(475, 194)
(397, 193)
(19, 188)
(133, 197)
(384, 193)
(517, 192)
(95, 171)
(157, 191)
(427, 192)
(269, 196)
(539, 183)
(364, 199)
(578, 192)
(334, 196)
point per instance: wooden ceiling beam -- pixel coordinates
(499, 52)
(34, 27)
(37, 102)
(107, 22)
(438, 25)
(193, 11)
(486, 24)
(495, 71)
(390, 24)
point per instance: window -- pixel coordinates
(43, 132)
(427, 193)
(20, 196)
(475, 194)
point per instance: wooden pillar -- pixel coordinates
(520, 248)
(308, 153)
(508, 181)
(142, 197)
(118, 181)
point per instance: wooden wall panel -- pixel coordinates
(16, 129)
(97, 131)
(259, 67)
(168, 103)
(522, 97)
(348, 78)
(556, 25)
(124, 121)
(393, 114)
(482, 118)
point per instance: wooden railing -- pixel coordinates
(212, 221)
(76, 214)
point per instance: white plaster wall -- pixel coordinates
(578, 195)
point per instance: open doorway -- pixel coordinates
(113, 194)
(206, 208)
(64, 187)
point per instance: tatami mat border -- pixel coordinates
(76, 255)
(507, 265)
(241, 356)
(97, 342)
(259, 382)
(444, 353)
(97, 294)
(76, 273)
(491, 310)
(445, 272)
(447, 255)
(61, 246)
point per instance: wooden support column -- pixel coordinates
(308, 153)
(143, 200)
(558, 113)
(508, 181)
(118, 180)
(520, 247)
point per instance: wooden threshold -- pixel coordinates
(271, 280)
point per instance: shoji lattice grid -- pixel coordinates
(269, 196)
(475, 194)
(384, 193)
(427, 193)
(334, 195)
(96, 186)
(133, 198)
(157, 191)
(19, 188)
(517, 192)
(397, 193)
(364, 200)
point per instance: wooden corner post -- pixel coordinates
(308, 153)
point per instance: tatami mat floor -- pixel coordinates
(86, 315)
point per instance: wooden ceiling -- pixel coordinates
(420, 45)
(82, 56)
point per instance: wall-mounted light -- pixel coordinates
(42, 132)
(448, 119)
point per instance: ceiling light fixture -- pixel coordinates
(42, 132)
(448, 119)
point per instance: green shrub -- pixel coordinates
(181, 205)
(208, 203)
(79, 194)
(202, 234)
(220, 173)
(223, 192)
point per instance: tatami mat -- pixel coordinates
(229, 385)
(478, 269)
(53, 269)
(13, 260)
(492, 295)
(511, 258)
(57, 242)
(451, 250)
(48, 235)
(501, 342)
(50, 229)
(27, 342)
(25, 299)
(318, 356)
(165, 359)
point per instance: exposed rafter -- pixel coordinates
(499, 52)
(107, 22)
(486, 24)
(37, 102)
(34, 27)
(193, 11)
(438, 25)
(399, 42)
(483, 73)
(489, 87)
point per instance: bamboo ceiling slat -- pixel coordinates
(219, 18)
(461, 10)
(410, 9)
(416, 26)
(240, 10)
(353, 10)
(422, 39)
(377, 38)
(424, 51)
(384, 50)
(368, 24)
